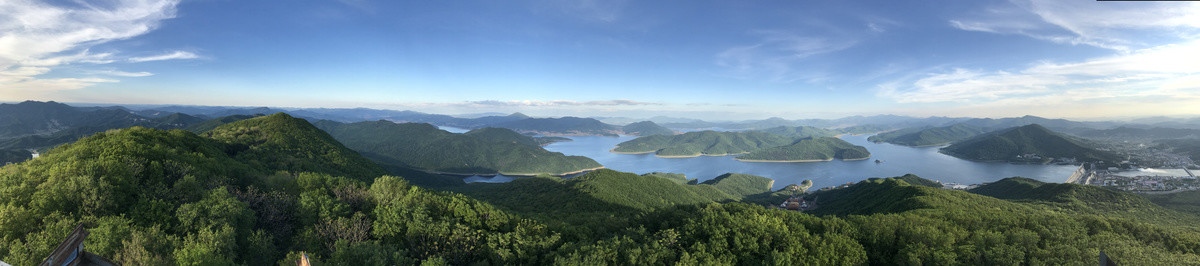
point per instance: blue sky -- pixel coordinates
(701, 59)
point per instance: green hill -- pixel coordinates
(14, 156)
(952, 222)
(502, 135)
(1083, 199)
(210, 124)
(810, 149)
(1008, 144)
(153, 197)
(604, 201)
(282, 142)
(543, 141)
(646, 128)
(560, 126)
(802, 131)
(934, 136)
(425, 147)
(157, 197)
(702, 143)
(674, 177)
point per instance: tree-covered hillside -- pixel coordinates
(932, 136)
(425, 147)
(210, 124)
(1008, 144)
(152, 197)
(283, 142)
(810, 149)
(502, 135)
(560, 126)
(703, 143)
(646, 128)
(802, 131)
(262, 193)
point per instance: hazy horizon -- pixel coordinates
(705, 60)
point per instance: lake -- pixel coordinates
(897, 161)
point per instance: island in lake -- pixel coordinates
(753, 146)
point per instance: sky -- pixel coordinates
(699, 59)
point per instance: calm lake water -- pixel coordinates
(897, 160)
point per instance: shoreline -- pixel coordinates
(674, 156)
(511, 174)
(799, 161)
(697, 155)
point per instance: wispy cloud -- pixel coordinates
(36, 36)
(561, 103)
(166, 56)
(1167, 71)
(1109, 25)
(773, 57)
(123, 73)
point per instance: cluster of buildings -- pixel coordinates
(1135, 181)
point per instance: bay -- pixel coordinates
(896, 161)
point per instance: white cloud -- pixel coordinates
(1109, 25)
(773, 57)
(1163, 71)
(124, 74)
(36, 36)
(166, 56)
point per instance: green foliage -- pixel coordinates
(283, 143)
(171, 197)
(674, 177)
(503, 135)
(543, 141)
(207, 125)
(1007, 144)
(1184, 201)
(564, 125)
(928, 136)
(823, 148)
(13, 156)
(646, 128)
(741, 185)
(703, 143)
(1082, 199)
(802, 132)
(422, 146)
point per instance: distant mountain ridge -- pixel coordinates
(931, 136)
(41, 125)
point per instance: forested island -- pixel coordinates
(809, 150)
(711, 143)
(799, 144)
